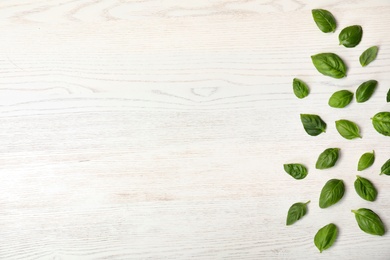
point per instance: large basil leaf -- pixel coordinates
(351, 36)
(324, 20)
(326, 236)
(329, 64)
(366, 160)
(300, 88)
(381, 123)
(385, 169)
(348, 129)
(331, 193)
(365, 90)
(313, 124)
(369, 221)
(296, 170)
(388, 96)
(327, 158)
(368, 56)
(365, 189)
(340, 99)
(296, 212)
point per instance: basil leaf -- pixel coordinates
(300, 88)
(296, 212)
(326, 236)
(366, 160)
(365, 90)
(385, 169)
(351, 36)
(331, 193)
(365, 189)
(296, 170)
(324, 20)
(388, 96)
(313, 124)
(381, 123)
(327, 158)
(369, 221)
(368, 56)
(348, 129)
(340, 99)
(329, 64)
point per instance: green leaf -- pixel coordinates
(296, 170)
(329, 64)
(300, 88)
(381, 123)
(365, 189)
(348, 129)
(327, 158)
(385, 169)
(326, 236)
(366, 160)
(351, 36)
(388, 96)
(365, 90)
(368, 56)
(313, 124)
(296, 212)
(369, 221)
(331, 193)
(324, 20)
(340, 99)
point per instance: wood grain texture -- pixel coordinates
(158, 129)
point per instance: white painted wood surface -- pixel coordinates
(158, 129)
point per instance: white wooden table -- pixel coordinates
(159, 129)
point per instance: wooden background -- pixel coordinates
(158, 129)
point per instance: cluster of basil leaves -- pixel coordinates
(330, 64)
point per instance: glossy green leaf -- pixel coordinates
(348, 129)
(365, 90)
(368, 56)
(329, 64)
(296, 170)
(313, 124)
(324, 20)
(326, 236)
(331, 193)
(340, 99)
(385, 169)
(369, 222)
(300, 88)
(351, 36)
(388, 96)
(381, 123)
(296, 212)
(365, 189)
(328, 158)
(366, 160)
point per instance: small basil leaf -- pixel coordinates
(366, 160)
(324, 20)
(365, 189)
(348, 129)
(381, 123)
(369, 222)
(385, 169)
(368, 56)
(331, 193)
(296, 212)
(313, 124)
(326, 236)
(388, 96)
(300, 88)
(296, 170)
(329, 64)
(365, 90)
(340, 99)
(327, 158)
(351, 36)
